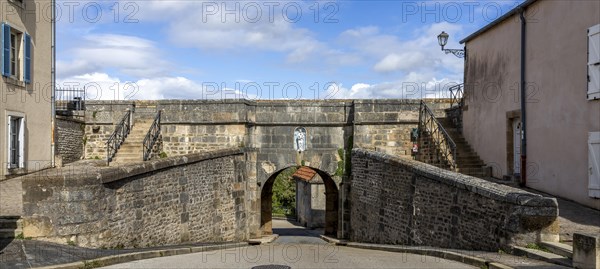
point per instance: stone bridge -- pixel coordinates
(223, 156)
(266, 130)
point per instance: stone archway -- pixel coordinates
(331, 203)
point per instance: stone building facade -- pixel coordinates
(561, 75)
(26, 86)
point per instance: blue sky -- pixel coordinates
(264, 49)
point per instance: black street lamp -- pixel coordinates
(443, 39)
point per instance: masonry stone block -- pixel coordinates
(586, 251)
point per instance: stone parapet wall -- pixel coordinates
(385, 125)
(69, 139)
(202, 125)
(192, 198)
(400, 201)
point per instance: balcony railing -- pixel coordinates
(69, 99)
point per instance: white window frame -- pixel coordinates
(593, 65)
(21, 137)
(16, 55)
(594, 164)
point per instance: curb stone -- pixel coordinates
(263, 240)
(444, 254)
(339, 242)
(123, 258)
(495, 265)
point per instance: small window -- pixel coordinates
(16, 142)
(593, 91)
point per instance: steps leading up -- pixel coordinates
(10, 227)
(467, 160)
(542, 256)
(558, 248)
(132, 149)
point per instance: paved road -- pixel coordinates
(297, 248)
(292, 233)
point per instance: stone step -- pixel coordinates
(140, 133)
(133, 140)
(542, 256)
(131, 147)
(559, 248)
(11, 223)
(470, 162)
(10, 233)
(468, 159)
(10, 227)
(469, 166)
(130, 153)
(466, 154)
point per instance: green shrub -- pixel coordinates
(284, 193)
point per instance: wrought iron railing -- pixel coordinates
(118, 137)
(456, 93)
(69, 99)
(152, 137)
(433, 129)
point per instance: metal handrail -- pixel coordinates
(152, 136)
(456, 93)
(117, 138)
(430, 125)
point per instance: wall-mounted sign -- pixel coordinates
(300, 139)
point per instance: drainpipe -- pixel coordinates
(523, 103)
(53, 83)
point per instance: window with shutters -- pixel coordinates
(16, 142)
(593, 90)
(16, 54)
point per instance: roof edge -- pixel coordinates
(498, 20)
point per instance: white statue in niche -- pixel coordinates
(300, 139)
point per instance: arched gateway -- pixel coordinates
(331, 203)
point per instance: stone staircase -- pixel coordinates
(132, 149)
(10, 227)
(468, 162)
(551, 252)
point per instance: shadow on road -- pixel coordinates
(290, 232)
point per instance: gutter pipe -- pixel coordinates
(523, 182)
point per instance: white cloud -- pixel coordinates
(207, 26)
(389, 53)
(409, 87)
(98, 86)
(101, 86)
(403, 62)
(128, 55)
